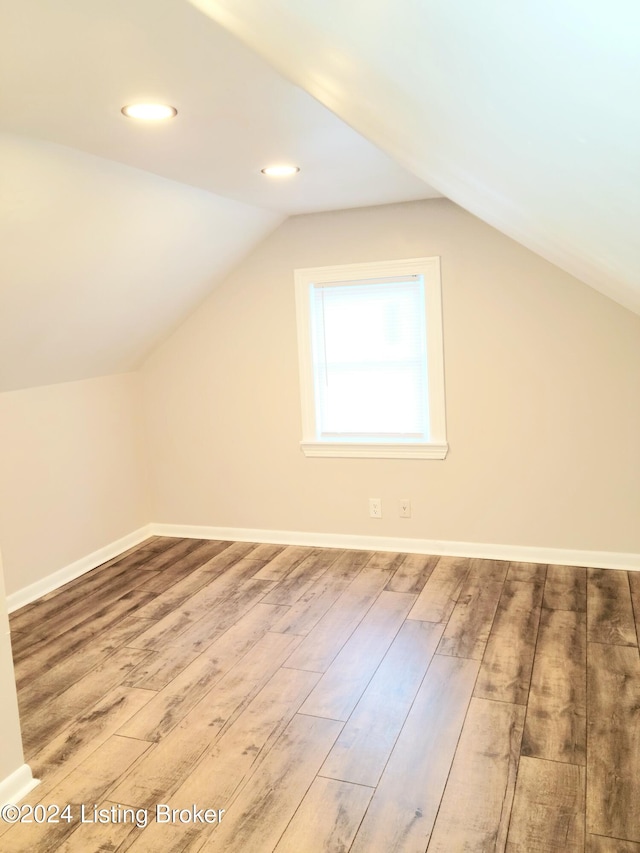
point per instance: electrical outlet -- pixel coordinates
(405, 508)
(375, 507)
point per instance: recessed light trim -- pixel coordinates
(280, 171)
(149, 112)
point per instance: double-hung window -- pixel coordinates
(371, 359)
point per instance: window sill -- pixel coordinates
(374, 451)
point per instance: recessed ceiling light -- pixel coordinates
(149, 112)
(280, 171)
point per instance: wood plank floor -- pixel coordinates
(325, 700)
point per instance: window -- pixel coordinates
(371, 359)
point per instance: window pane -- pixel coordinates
(370, 359)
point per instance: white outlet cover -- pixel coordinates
(375, 507)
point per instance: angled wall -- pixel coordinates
(543, 398)
(73, 474)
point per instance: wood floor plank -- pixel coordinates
(634, 584)
(364, 745)
(87, 609)
(556, 725)
(154, 544)
(234, 552)
(80, 587)
(302, 577)
(265, 806)
(45, 723)
(506, 667)
(312, 605)
(169, 705)
(51, 682)
(327, 818)
(391, 560)
(86, 785)
(164, 600)
(73, 599)
(322, 644)
(548, 809)
(266, 551)
(602, 844)
(155, 838)
(470, 623)
(441, 591)
(230, 762)
(104, 837)
(182, 568)
(159, 669)
(483, 778)
(340, 688)
(48, 653)
(565, 588)
(280, 566)
(172, 759)
(182, 550)
(234, 756)
(609, 608)
(412, 573)
(222, 770)
(488, 570)
(173, 597)
(404, 806)
(613, 738)
(225, 611)
(86, 732)
(527, 572)
(201, 605)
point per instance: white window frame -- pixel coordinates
(429, 269)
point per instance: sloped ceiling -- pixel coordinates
(112, 231)
(100, 260)
(525, 113)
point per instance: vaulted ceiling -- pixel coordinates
(112, 231)
(524, 113)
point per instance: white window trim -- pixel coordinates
(429, 269)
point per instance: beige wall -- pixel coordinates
(72, 463)
(11, 757)
(543, 398)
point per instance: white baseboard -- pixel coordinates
(517, 553)
(17, 785)
(85, 564)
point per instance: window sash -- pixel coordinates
(370, 359)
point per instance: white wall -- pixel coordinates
(543, 398)
(73, 477)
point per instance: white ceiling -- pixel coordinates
(112, 231)
(524, 113)
(68, 68)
